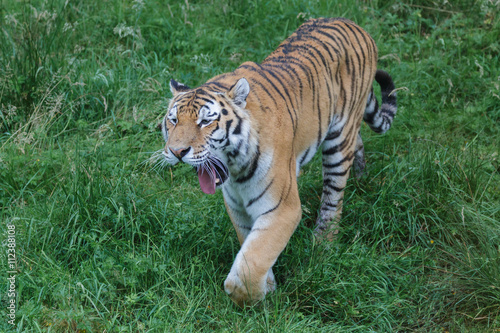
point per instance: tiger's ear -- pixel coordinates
(176, 87)
(239, 92)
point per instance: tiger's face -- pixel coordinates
(198, 130)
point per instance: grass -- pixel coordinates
(107, 243)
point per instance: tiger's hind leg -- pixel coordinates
(338, 154)
(359, 157)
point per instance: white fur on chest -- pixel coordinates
(250, 197)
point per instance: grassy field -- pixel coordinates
(106, 242)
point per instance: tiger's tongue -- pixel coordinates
(207, 181)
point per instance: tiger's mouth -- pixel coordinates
(211, 173)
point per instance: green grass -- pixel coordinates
(106, 242)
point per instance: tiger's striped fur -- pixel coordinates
(250, 131)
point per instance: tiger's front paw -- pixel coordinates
(240, 292)
(247, 293)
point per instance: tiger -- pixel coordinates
(248, 132)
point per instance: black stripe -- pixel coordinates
(261, 73)
(218, 140)
(369, 117)
(344, 100)
(306, 53)
(333, 135)
(335, 149)
(355, 36)
(228, 126)
(329, 184)
(363, 65)
(260, 195)
(363, 34)
(291, 60)
(274, 208)
(316, 97)
(292, 73)
(213, 131)
(341, 173)
(281, 72)
(323, 60)
(201, 91)
(226, 194)
(334, 39)
(326, 192)
(364, 56)
(334, 165)
(206, 100)
(338, 147)
(328, 204)
(241, 226)
(264, 89)
(304, 157)
(355, 87)
(253, 168)
(338, 33)
(237, 129)
(217, 84)
(285, 88)
(388, 113)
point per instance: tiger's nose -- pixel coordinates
(180, 153)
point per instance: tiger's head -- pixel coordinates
(205, 128)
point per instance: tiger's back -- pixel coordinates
(321, 74)
(250, 130)
(329, 64)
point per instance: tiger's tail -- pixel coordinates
(380, 118)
